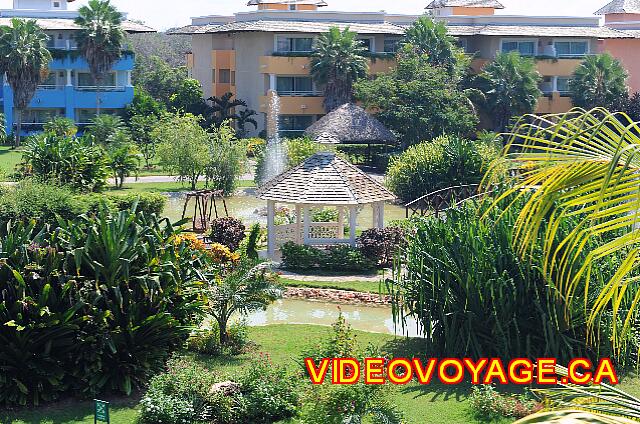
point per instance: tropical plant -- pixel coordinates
(24, 60)
(61, 127)
(599, 81)
(381, 245)
(100, 39)
(447, 161)
(510, 87)
(338, 62)
(75, 161)
(141, 128)
(183, 147)
(430, 38)
(104, 127)
(243, 118)
(189, 98)
(227, 231)
(144, 104)
(632, 107)
(246, 288)
(158, 78)
(418, 101)
(581, 166)
(222, 108)
(227, 157)
(123, 158)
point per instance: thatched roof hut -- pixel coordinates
(350, 124)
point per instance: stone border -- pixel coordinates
(337, 296)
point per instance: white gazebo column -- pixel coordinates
(299, 237)
(353, 220)
(378, 215)
(307, 225)
(271, 228)
(340, 222)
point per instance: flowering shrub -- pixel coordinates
(380, 244)
(221, 255)
(227, 231)
(487, 404)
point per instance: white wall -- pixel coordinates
(38, 4)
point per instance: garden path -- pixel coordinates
(330, 278)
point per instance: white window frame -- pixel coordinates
(372, 42)
(572, 40)
(314, 88)
(535, 42)
(555, 84)
(275, 41)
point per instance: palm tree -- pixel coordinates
(24, 60)
(338, 62)
(430, 38)
(243, 118)
(510, 87)
(100, 39)
(600, 81)
(584, 165)
(222, 108)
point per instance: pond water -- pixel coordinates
(245, 206)
(374, 319)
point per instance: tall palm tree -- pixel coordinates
(100, 39)
(600, 81)
(584, 165)
(24, 61)
(510, 87)
(338, 62)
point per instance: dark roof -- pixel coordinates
(325, 179)
(620, 6)
(314, 27)
(350, 124)
(435, 4)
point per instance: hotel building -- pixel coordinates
(69, 90)
(269, 48)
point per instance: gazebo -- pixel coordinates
(323, 180)
(350, 124)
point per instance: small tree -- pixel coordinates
(338, 62)
(123, 158)
(189, 98)
(247, 288)
(24, 59)
(183, 147)
(600, 81)
(244, 117)
(141, 128)
(159, 79)
(510, 87)
(227, 157)
(103, 127)
(100, 39)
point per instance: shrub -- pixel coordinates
(147, 203)
(381, 244)
(255, 146)
(299, 257)
(341, 344)
(208, 341)
(93, 305)
(227, 157)
(227, 231)
(345, 258)
(250, 247)
(488, 405)
(444, 162)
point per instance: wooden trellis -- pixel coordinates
(205, 208)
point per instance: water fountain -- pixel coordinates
(276, 153)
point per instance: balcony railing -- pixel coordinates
(50, 87)
(101, 88)
(312, 93)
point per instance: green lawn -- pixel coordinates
(166, 187)
(361, 286)
(9, 158)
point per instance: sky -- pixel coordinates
(163, 14)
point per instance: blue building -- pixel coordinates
(69, 90)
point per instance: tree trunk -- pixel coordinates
(98, 84)
(224, 337)
(19, 128)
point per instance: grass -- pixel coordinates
(421, 404)
(9, 158)
(166, 187)
(360, 286)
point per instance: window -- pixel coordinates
(49, 81)
(56, 4)
(40, 116)
(292, 7)
(524, 47)
(562, 85)
(294, 44)
(295, 123)
(85, 116)
(367, 43)
(224, 76)
(391, 45)
(86, 80)
(546, 86)
(572, 48)
(213, 76)
(291, 86)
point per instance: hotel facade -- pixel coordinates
(269, 48)
(69, 90)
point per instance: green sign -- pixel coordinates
(101, 412)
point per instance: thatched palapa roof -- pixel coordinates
(350, 124)
(325, 179)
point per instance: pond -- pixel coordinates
(373, 319)
(245, 206)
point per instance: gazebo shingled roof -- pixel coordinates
(620, 6)
(325, 179)
(350, 124)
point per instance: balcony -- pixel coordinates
(554, 102)
(223, 59)
(313, 93)
(296, 105)
(301, 65)
(547, 66)
(71, 59)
